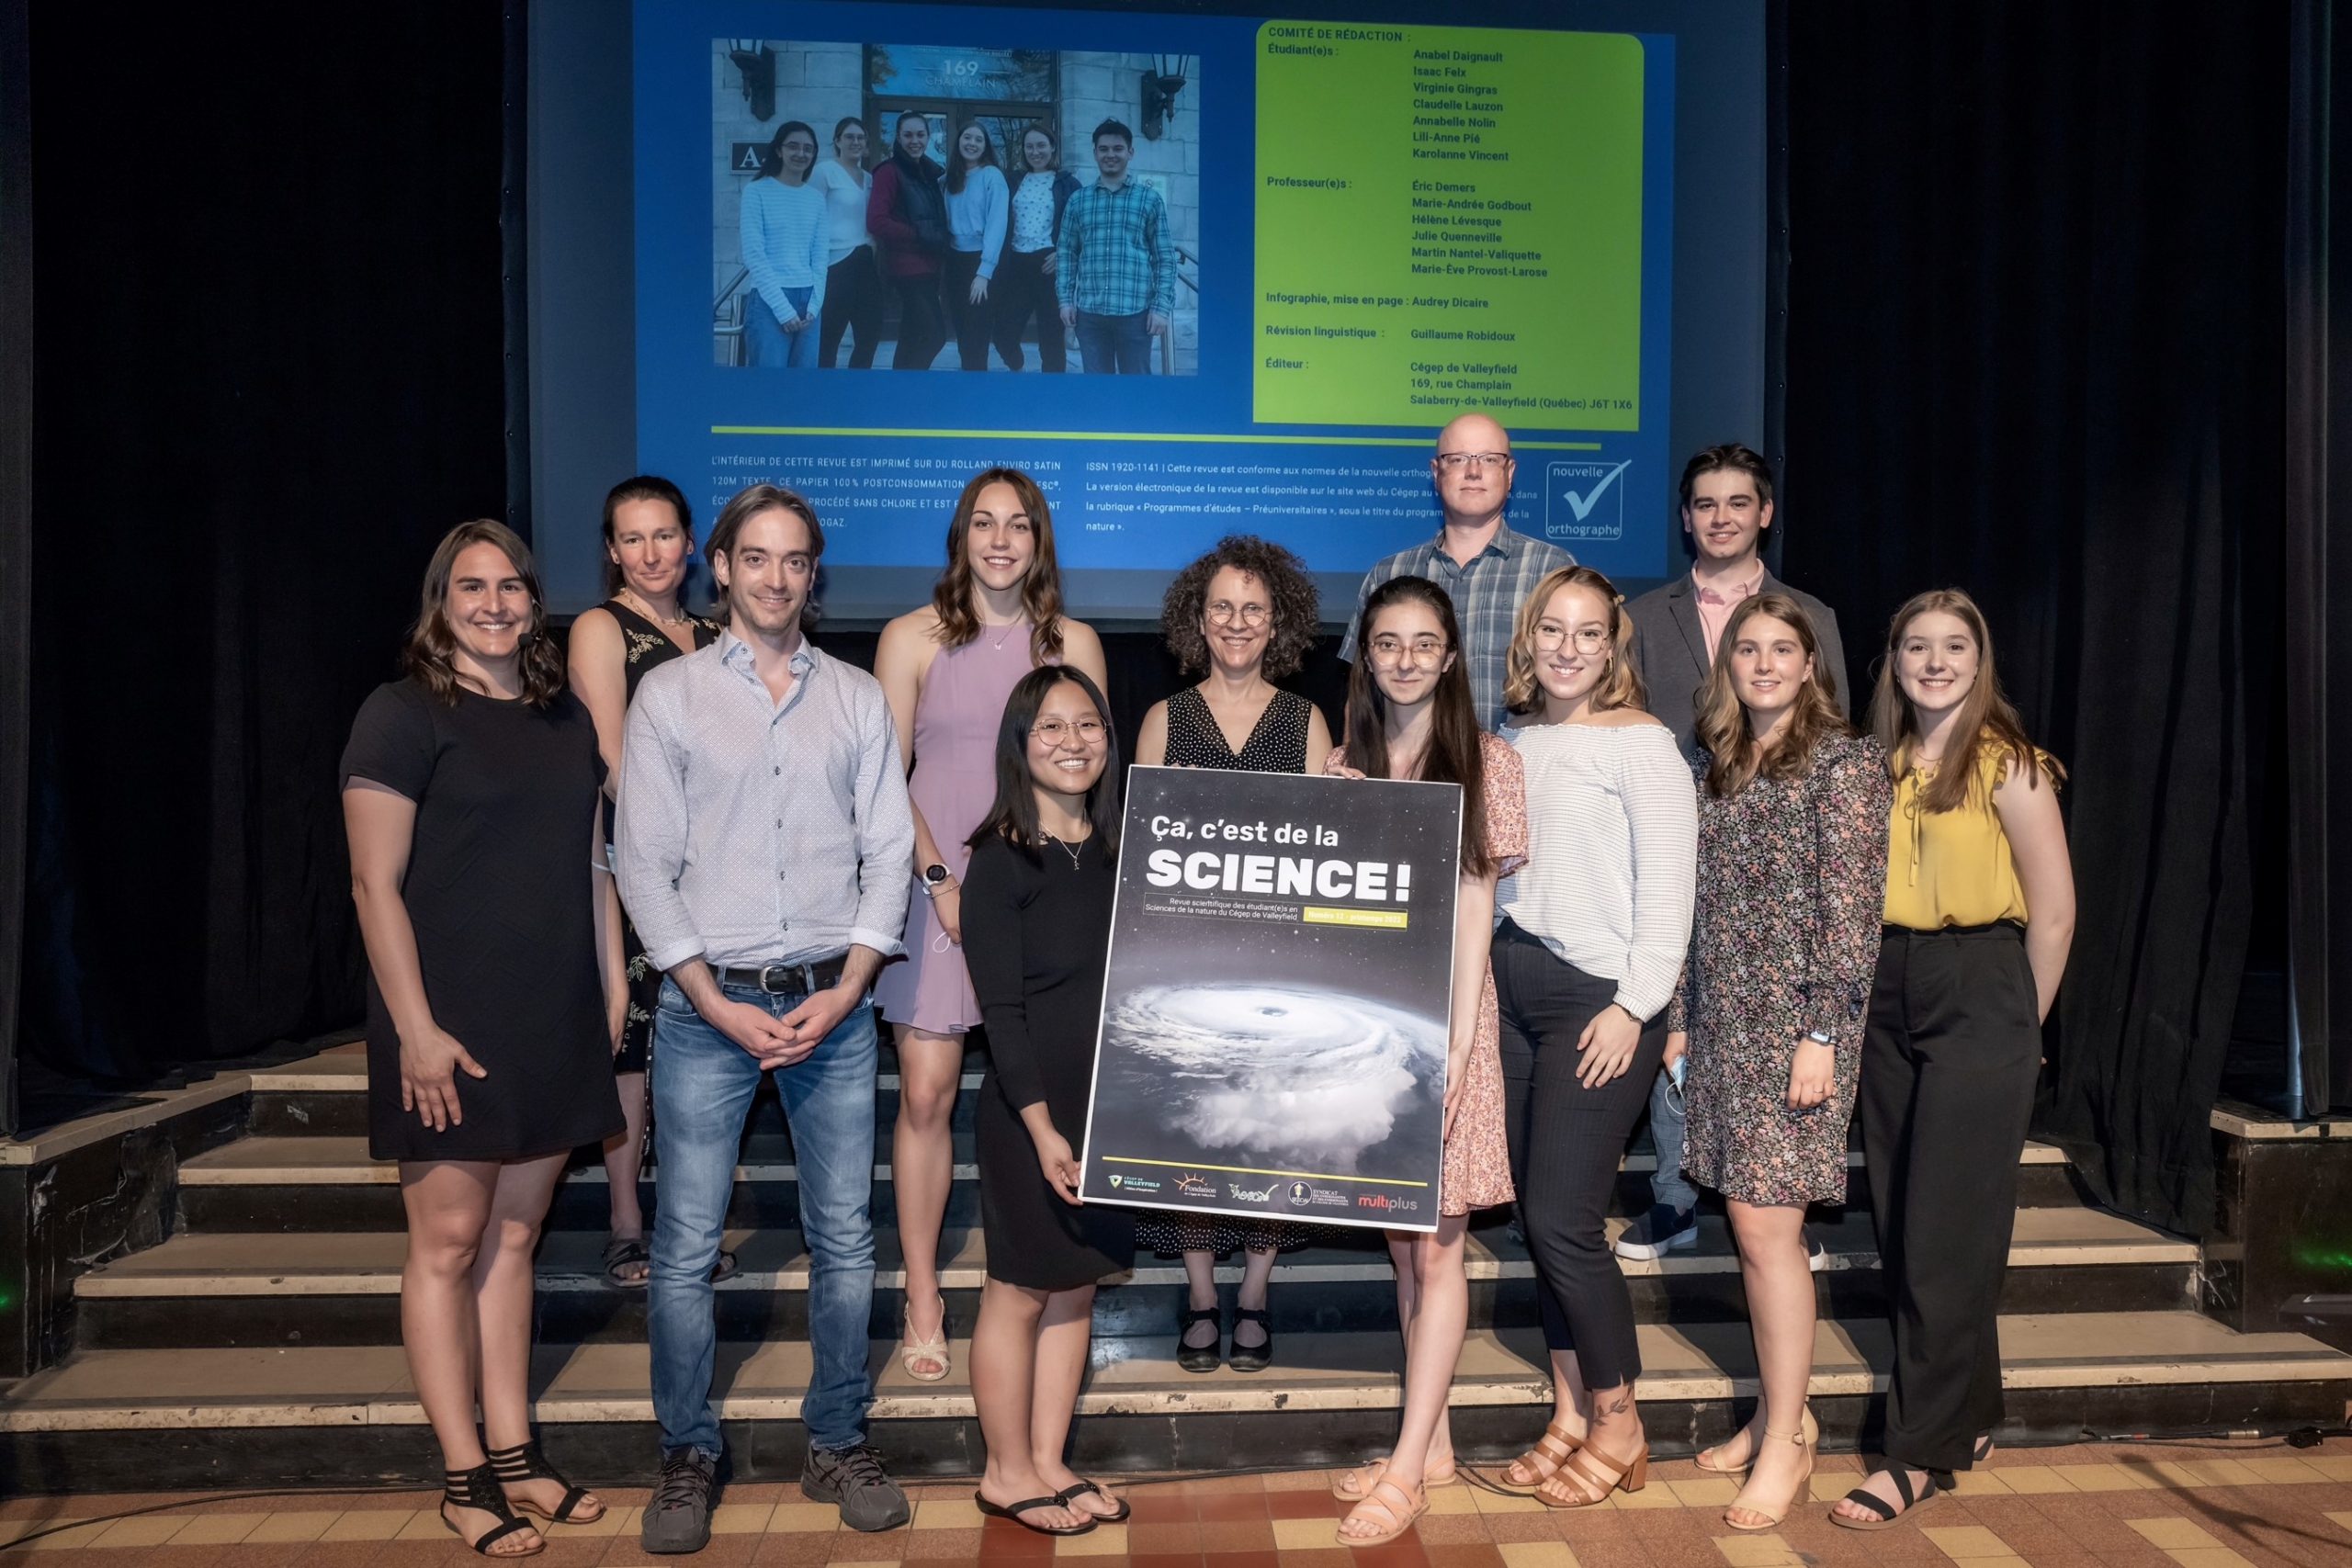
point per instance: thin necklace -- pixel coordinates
(1005, 636)
(653, 614)
(1073, 851)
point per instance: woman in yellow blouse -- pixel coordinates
(1980, 910)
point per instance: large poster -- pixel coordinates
(1275, 1012)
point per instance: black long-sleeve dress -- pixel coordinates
(1037, 933)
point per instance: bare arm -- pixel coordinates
(1151, 741)
(902, 660)
(1473, 931)
(1083, 650)
(2028, 808)
(611, 963)
(1319, 746)
(598, 667)
(381, 825)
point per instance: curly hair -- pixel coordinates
(1290, 592)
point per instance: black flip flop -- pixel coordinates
(725, 1268)
(1912, 1503)
(624, 1252)
(1014, 1510)
(1065, 1496)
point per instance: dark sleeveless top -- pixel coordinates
(648, 647)
(1278, 744)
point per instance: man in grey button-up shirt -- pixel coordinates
(762, 846)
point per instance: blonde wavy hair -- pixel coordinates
(1621, 683)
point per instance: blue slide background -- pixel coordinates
(1122, 500)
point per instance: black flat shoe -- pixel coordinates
(1197, 1357)
(1014, 1510)
(1251, 1358)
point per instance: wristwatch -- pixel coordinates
(1818, 1038)
(933, 876)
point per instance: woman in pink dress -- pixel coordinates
(946, 669)
(1410, 716)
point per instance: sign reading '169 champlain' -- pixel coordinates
(1275, 1012)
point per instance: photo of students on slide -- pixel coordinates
(1024, 211)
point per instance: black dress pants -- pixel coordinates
(1566, 1141)
(853, 305)
(1021, 290)
(922, 330)
(970, 317)
(1950, 1064)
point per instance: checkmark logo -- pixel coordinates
(1582, 505)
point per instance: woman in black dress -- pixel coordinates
(1244, 614)
(1036, 933)
(465, 787)
(641, 624)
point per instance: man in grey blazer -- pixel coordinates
(1726, 506)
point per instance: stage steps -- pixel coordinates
(272, 1311)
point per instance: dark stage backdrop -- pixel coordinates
(268, 310)
(2035, 316)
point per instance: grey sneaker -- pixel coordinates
(853, 1480)
(1664, 1228)
(678, 1516)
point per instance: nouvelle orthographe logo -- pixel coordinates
(1584, 500)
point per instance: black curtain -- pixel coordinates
(268, 253)
(2035, 318)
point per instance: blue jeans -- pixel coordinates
(765, 343)
(1114, 343)
(702, 1089)
(1667, 1185)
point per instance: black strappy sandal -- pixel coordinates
(1912, 1503)
(1981, 1450)
(1067, 1494)
(525, 1463)
(1014, 1510)
(1199, 1358)
(1251, 1358)
(478, 1488)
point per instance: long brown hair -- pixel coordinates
(1455, 754)
(958, 170)
(1985, 720)
(429, 657)
(1621, 683)
(1041, 590)
(1720, 720)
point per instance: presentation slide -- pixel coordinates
(1196, 274)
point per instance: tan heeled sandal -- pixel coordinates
(1810, 1427)
(1803, 1438)
(1356, 1484)
(1415, 1504)
(931, 1349)
(1586, 1479)
(1552, 1450)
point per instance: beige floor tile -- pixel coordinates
(2344, 1520)
(2172, 1533)
(1538, 1554)
(425, 1525)
(2281, 1472)
(2187, 1474)
(1708, 1492)
(741, 1519)
(369, 1524)
(1111, 1540)
(613, 1521)
(805, 1516)
(1303, 1535)
(220, 1530)
(1758, 1551)
(945, 1513)
(2336, 1467)
(1655, 1496)
(2030, 1480)
(70, 1540)
(1964, 1543)
(2207, 1557)
(147, 1529)
(294, 1525)
(1979, 1483)
(1505, 1503)
(1452, 1500)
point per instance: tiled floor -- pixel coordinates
(2137, 1506)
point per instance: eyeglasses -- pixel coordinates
(1394, 651)
(1454, 462)
(1588, 639)
(1054, 731)
(1224, 613)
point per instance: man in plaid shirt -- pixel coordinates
(1486, 567)
(1115, 274)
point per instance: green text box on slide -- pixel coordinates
(1448, 217)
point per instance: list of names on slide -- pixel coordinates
(1463, 229)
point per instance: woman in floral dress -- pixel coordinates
(1792, 813)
